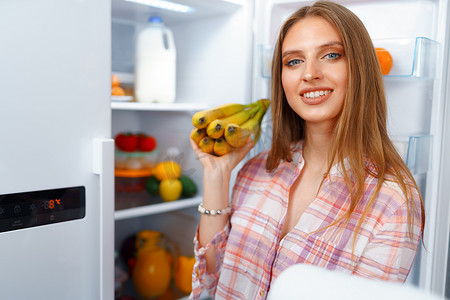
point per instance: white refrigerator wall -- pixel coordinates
(415, 102)
(55, 66)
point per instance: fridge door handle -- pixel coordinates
(103, 165)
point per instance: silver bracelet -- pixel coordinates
(213, 212)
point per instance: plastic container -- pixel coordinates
(136, 160)
(155, 65)
(131, 181)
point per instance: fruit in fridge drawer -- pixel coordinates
(167, 170)
(170, 189)
(146, 143)
(152, 185)
(385, 60)
(126, 142)
(189, 186)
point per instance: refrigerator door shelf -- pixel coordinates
(412, 57)
(416, 152)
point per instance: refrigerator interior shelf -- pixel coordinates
(175, 107)
(415, 151)
(412, 57)
(156, 208)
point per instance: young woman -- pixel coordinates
(332, 191)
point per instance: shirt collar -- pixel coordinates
(336, 169)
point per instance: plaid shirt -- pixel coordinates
(250, 255)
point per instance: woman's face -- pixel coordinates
(314, 71)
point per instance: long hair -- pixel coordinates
(360, 133)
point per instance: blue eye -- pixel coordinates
(333, 55)
(293, 62)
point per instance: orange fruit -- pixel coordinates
(385, 60)
(117, 91)
(167, 170)
(115, 81)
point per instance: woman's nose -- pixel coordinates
(311, 71)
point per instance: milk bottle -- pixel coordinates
(155, 67)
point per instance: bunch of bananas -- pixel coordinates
(218, 130)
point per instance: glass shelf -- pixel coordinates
(412, 57)
(138, 205)
(415, 151)
(174, 107)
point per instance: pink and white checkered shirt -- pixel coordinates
(250, 254)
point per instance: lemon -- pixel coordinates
(170, 189)
(167, 170)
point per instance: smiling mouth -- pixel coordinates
(316, 94)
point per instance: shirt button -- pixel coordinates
(261, 293)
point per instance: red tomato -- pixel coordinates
(127, 142)
(146, 143)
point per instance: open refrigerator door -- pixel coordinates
(414, 32)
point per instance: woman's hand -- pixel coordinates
(225, 163)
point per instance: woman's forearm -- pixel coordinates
(215, 197)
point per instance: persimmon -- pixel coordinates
(385, 60)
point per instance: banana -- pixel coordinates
(216, 128)
(206, 144)
(237, 135)
(264, 102)
(221, 147)
(197, 134)
(202, 118)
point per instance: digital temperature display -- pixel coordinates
(29, 209)
(51, 204)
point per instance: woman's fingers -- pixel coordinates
(225, 162)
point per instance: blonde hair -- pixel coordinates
(360, 133)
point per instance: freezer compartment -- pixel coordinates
(416, 152)
(412, 57)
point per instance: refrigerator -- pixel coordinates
(56, 214)
(59, 121)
